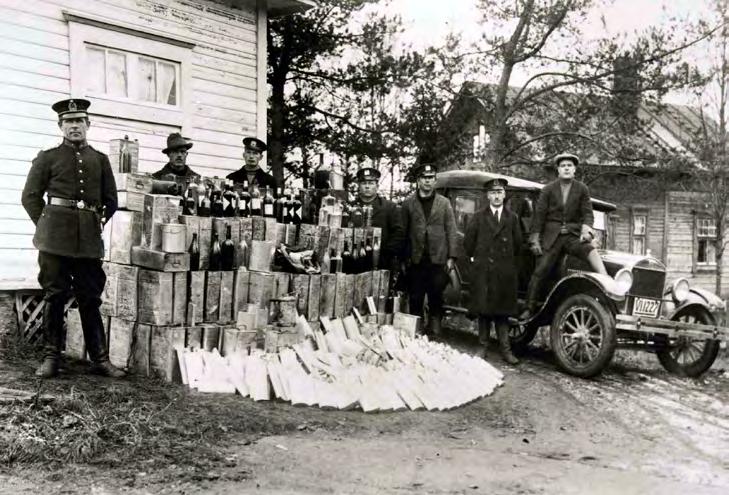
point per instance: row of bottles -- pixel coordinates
(358, 259)
(334, 213)
(223, 255)
(232, 201)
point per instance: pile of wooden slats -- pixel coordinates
(347, 365)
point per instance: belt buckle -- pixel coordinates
(80, 204)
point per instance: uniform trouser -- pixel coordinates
(426, 278)
(565, 243)
(484, 325)
(59, 277)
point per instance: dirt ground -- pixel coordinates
(635, 429)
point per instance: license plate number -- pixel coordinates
(646, 307)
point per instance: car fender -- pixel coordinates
(707, 300)
(605, 283)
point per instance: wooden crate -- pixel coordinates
(241, 283)
(129, 200)
(212, 296)
(75, 346)
(120, 291)
(260, 290)
(328, 295)
(163, 360)
(159, 260)
(158, 209)
(300, 288)
(281, 284)
(121, 233)
(225, 314)
(314, 297)
(140, 183)
(162, 297)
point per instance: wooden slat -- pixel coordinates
(16, 241)
(22, 93)
(32, 19)
(13, 226)
(245, 89)
(35, 81)
(247, 103)
(13, 212)
(35, 36)
(33, 66)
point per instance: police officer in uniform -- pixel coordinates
(385, 215)
(251, 170)
(81, 197)
(431, 239)
(176, 151)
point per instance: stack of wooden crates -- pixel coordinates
(152, 302)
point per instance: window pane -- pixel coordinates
(95, 73)
(146, 86)
(639, 225)
(638, 245)
(116, 73)
(166, 83)
(465, 208)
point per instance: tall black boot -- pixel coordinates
(504, 343)
(484, 330)
(52, 338)
(95, 339)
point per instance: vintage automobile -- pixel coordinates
(589, 314)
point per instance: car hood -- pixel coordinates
(627, 260)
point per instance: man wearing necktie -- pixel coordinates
(493, 237)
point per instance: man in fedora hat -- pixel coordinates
(176, 150)
(385, 215)
(251, 171)
(431, 243)
(493, 238)
(562, 223)
(81, 191)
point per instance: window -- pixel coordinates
(130, 74)
(465, 206)
(122, 74)
(638, 243)
(705, 235)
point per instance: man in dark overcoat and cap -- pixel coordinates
(493, 238)
(385, 215)
(431, 243)
(81, 198)
(251, 171)
(176, 151)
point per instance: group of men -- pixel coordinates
(419, 239)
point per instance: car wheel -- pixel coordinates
(583, 336)
(689, 357)
(521, 336)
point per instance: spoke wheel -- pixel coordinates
(689, 357)
(521, 336)
(583, 336)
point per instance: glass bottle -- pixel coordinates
(376, 254)
(255, 201)
(125, 157)
(204, 208)
(326, 262)
(346, 258)
(189, 207)
(242, 260)
(214, 260)
(296, 207)
(228, 201)
(356, 217)
(245, 200)
(278, 206)
(227, 251)
(216, 197)
(335, 265)
(368, 256)
(268, 204)
(194, 251)
(288, 205)
(362, 265)
(201, 190)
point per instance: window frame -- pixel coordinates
(85, 30)
(635, 213)
(710, 264)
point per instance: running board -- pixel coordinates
(671, 328)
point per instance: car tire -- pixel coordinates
(521, 336)
(583, 336)
(688, 357)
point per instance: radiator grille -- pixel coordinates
(648, 283)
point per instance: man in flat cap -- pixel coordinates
(176, 151)
(81, 192)
(251, 171)
(562, 223)
(385, 215)
(430, 245)
(493, 238)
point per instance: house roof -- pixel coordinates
(278, 8)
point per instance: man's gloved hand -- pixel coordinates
(586, 234)
(536, 248)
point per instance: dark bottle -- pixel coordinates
(335, 265)
(288, 214)
(201, 190)
(368, 257)
(361, 258)
(216, 198)
(228, 201)
(215, 255)
(194, 251)
(125, 157)
(346, 216)
(278, 206)
(346, 259)
(204, 208)
(255, 201)
(245, 200)
(235, 200)
(268, 204)
(227, 251)
(356, 217)
(296, 209)
(190, 205)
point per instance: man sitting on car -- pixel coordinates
(562, 223)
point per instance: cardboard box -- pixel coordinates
(121, 233)
(161, 297)
(159, 260)
(120, 291)
(158, 209)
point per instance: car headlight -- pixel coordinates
(623, 280)
(680, 290)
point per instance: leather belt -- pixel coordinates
(72, 203)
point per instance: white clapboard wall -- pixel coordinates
(221, 98)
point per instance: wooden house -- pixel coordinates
(659, 211)
(149, 67)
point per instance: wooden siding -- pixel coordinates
(222, 90)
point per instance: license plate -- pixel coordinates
(646, 307)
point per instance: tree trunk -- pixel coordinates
(275, 141)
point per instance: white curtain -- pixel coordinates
(166, 83)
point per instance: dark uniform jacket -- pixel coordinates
(440, 230)
(550, 213)
(386, 216)
(168, 169)
(72, 173)
(493, 275)
(261, 178)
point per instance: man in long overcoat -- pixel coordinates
(430, 245)
(81, 191)
(493, 238)
(562, 223)
(385, 215)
